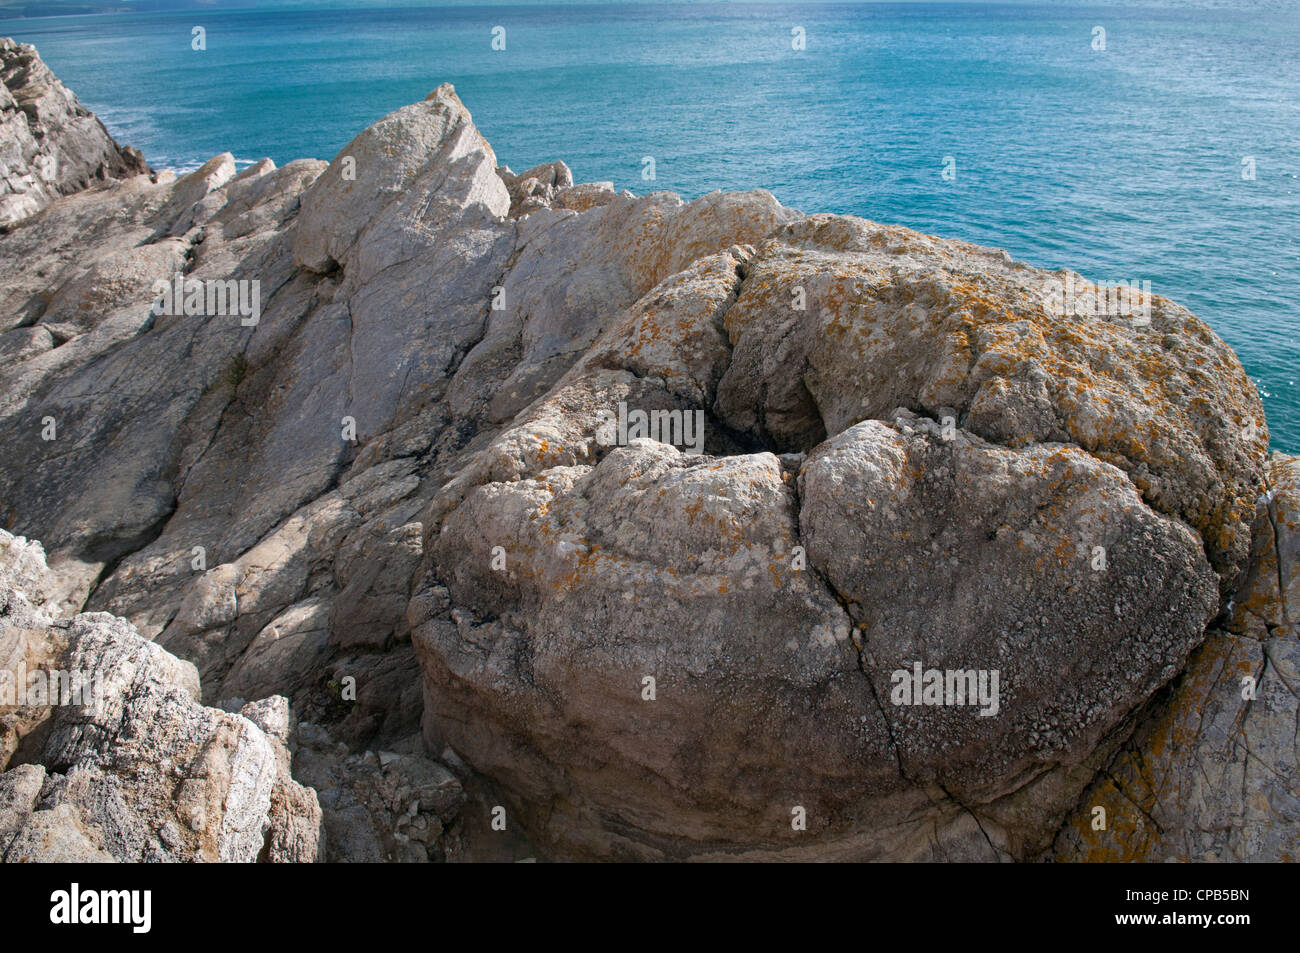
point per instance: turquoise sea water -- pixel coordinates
(1125, 164)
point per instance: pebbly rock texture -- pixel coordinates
(398, 496)
(384, 806)
(1212, 773)
(50, 145)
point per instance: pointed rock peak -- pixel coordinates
(181, 211)
(445, 91)
(260, 167)
(52, 144)
(213, 174)
(428, 149)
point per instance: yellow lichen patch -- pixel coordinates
(1128, 836)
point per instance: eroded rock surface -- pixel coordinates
(131, 767)
(398, 498)
(1211, 773)
(50, 145)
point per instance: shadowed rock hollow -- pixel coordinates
(399, 484)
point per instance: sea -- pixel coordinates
(1154, 141)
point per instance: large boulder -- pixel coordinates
(874, 499)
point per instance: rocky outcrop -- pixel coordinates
(131, 767)
(50, 145)
(407, 494)
(950, 545)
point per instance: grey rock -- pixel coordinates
(396, 503)
(132, 767)
(50, 145)
(385, 807)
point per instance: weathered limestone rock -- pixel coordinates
(894, 318)
(50, 145)
(537, 188)
(400, 506)
(131, 767)
(1211, 772)
(929, 538)
(962, 554)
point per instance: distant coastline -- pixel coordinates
(19, 11)
(35, 9)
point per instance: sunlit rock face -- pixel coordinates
(50, 145)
